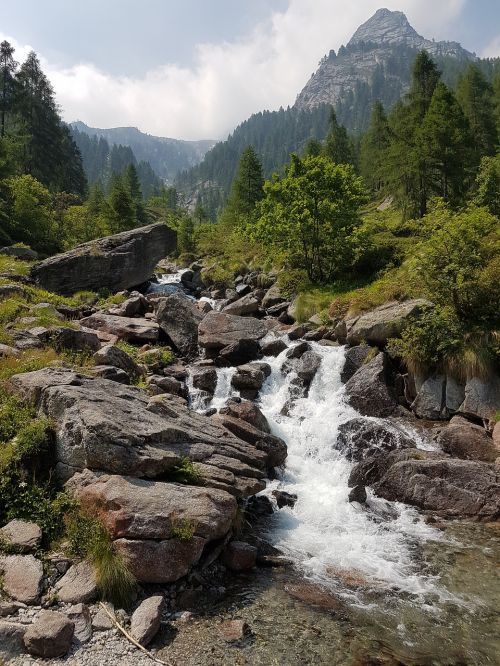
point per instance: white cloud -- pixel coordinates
(493, 49)
(230, 81)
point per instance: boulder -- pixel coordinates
(355, 357)
(103, 425)
(482, 398)
(64, 337)
(19, 252)
(358, 494)
(297, 331)
(243, 306)
(239, 352)
(162, 384)
(146, 619)
(113, 355)
(463, 439)
(297, 350)
(384, 322)
(247, 377)
(135, 306)
(21, 535)
(6, 350)
(361, 438)
(429, 403)
(307, 366)
(115, 262)
(218, 330)
(179, 318)
(11, 291)
(368, 390)
(451, 488)
(234, 630)
(247, 411)
(272, 297)
(22, 577)
(284, 499)
(274, 347)
(204, 378)
(129, 329)
(79, 614)
(239, 556)
(274, 447)
(78, 585)
(111, 373)
(50, 635)
(11, 640)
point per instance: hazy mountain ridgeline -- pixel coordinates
(376, 65)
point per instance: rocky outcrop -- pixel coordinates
(369, 390)
(78, 585)
(463, 439)
(178, 317)
(362, 438)
(246, 305)
(111, 355)
(130, 329)
(50, 635)
(219, 330)
(355, 357)
(21, 536)
(387, 321)
(482, 398)
(22, 577)
(115, 262)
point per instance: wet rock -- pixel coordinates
(265, 368)
(243, 306)
(247, 377)
(298, 350)
(79, 614)
(78, 585)
(240, 352)
(50, 635)
(314, 595)
(234, 630)
(130, 329)
(463, 439)
(260, 505)
(21, 535)
(361, 438)
(146, 619)
(218, 330)
(308, 365)
(22, 577)
(204, 379)
(239, 556)
(179, 318)
(274, 447)
(358, 494)
(284, 499)
(247, 411)
(113, 355)
(111, 373)
(355, 357)
(368, 389)
(273, 347)
(115, 262)
(384, 322)
(297, 331)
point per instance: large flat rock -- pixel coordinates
(384, 322)
(114, 262)
(219, 330)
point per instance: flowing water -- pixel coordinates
(414, 594)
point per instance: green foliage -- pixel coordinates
(128, 349)
(475, 95)
(374, 145)
(337, 145)
(27, 361)
(88, 538)
(308, 216)
(292, 281)
(185, 472)
(12, 266)
(488, 185)
(183, 530)
(159, 356)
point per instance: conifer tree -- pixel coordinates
(132, 181)
(121, 208)
(8, 68)
(247, 188)
(425, 77)
(475, 96)
(374, 147)
(337, 145)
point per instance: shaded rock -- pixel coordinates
(129, 329)
(22, 577)
(234, 630)
(384, 322)
(243, 306)
(247, 411)
(430, 400)
(166, 384)
(218, 330)
(11, 290)
(11, 639)
(243, 289)
(260, 505)
(247, 377)
(372, 469)
(358, 494)
(115, 262)
(298, 350)
(355, 357)
(240, 352)
(78, 585)
(6, 350)
(113, 355)
(452, 488)
(360, 438)
(284, 499)
(462, 439)
(482, 398)
(265, 368)
(278, 310)
(79, 614)
(10, 607)
(135, 306)
(455, 394)
(239, 556)
(21, 535)
(19, 252)
(368, 389)
(308, 365)
(204, 379)
(63, 337)
(274, 447)
(50, 635)
(146, 619)
(111, 373)
(273, 347)
(297, 331)
(272, 297)
(179, 318)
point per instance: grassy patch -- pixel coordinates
(12, 266)
(89, 539)
(28, 361)
(185, 472)
(183, 530)
(162, 357)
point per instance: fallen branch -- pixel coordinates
(131, 638)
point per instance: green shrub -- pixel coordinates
(292, 281)
(163, 357)
(89, 539)
(185, 472)
(183, 529)
(128, 349)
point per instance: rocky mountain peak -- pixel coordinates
(387, 27)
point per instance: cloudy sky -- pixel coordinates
(194, 69)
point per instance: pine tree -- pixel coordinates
(121, 208)
(475, 96)
(132, 181)
(374, 147)
(445, 142)
(8, 68)
(313, 148)
(496, 104)
(337, 145)
(247, 188)
(425, 77)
